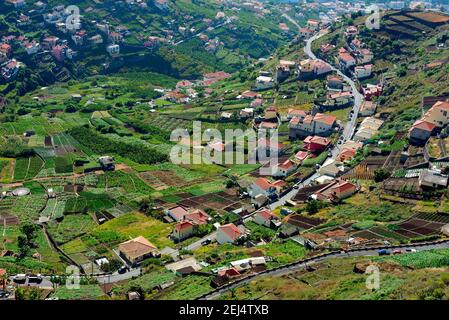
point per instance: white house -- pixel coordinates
(113, 49)
(361, 72)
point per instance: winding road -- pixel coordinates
(289, 268)
(349, 128)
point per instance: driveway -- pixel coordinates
(197, 244)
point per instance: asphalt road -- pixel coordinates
(197, 244)
(349, 128)
(102, 279)
(304, 263)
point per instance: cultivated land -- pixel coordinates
(85, 144)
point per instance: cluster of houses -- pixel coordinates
(70, 36)
(186, 90)
(187, 221)
(303, 124)
(356, 57)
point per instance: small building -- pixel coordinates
(432, 179)
(265, 187)
(137, 250)
(113, 49)
(183, 230)
(229, 233)
(331, 168)
(368, 108)
(361, 72)
(301, 114)
(267, 218)
(316, 144)
(107, 163)
(335, 82)
(246, 113)
(336, 191)
(345, 59)
(421, 131)
(285, 168)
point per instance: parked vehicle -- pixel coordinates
(206, 242)
(20, 278)
(36, 278)
(123, 269)
(410, 250)
(397, 251)
(384, 252)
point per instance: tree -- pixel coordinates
(312, 206)
(29, 231)
(381, 174)
(232, 182)
(20, 293)
(24, 248)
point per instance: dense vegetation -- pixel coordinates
(103, 145)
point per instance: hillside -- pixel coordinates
(183, 39)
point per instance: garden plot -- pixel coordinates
(66, 145)
(45, 153)
(215, 201)
(163, 179)
(71, 227)
(6, 169)
(8, 220)
(119, 210)
(36, 141)
(6, 205)
(27, 168)
(151, 180)
(304, 222)
(167, 123)
(419, 227)
(54, 209)
(27, 208)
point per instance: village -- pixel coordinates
(334, 164)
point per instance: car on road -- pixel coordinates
(384, 252)
(3, 294)
(397, 251)
(20, 278)
(296, 186)
(411, 250)
(206, 242)
(35, 278)
(123, 270)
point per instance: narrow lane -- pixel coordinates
(368, 252)
(349, 128)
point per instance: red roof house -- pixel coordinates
(316, 144)
(228, 233)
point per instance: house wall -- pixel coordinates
(346, 193)
(183, 234)
(322, 128)
(222, 237)
(419, 134)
